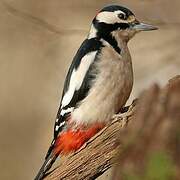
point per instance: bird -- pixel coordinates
(98, 83)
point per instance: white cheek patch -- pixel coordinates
(109, 17)
(77, 77)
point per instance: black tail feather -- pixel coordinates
(50, 149)
(46, 166)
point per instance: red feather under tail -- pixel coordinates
(72, 140)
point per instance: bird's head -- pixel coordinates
(117, 19)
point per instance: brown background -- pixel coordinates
(37, 42)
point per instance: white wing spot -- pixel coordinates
(56, 128)
(61, 124)
(64, 111)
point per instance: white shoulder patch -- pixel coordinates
(77, 77)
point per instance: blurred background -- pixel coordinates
(38, 40)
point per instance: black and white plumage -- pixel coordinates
(100, 78)
(79, 78)
(76, 87)
(77, 84)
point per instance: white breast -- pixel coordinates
(110, 91)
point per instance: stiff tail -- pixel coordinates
(50, 149)
(46, 166)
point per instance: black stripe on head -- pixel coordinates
(113, 8)
(104, 31)
(103, 27)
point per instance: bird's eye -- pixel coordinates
(122, 16)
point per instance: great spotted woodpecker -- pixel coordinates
(98, 83)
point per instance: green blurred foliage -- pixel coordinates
(159, 166)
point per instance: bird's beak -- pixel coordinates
(143, 27)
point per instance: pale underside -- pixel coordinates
(110, 90)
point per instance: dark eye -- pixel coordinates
(122, 16)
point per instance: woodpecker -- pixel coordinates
(98, 83)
